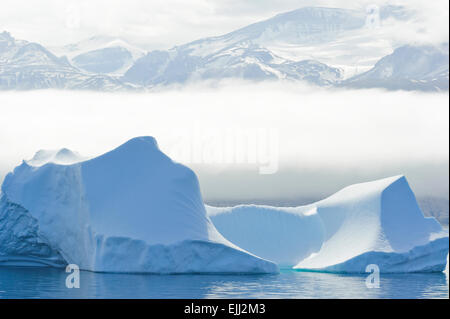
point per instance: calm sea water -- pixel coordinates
(16, 282)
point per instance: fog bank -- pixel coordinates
(282, 141)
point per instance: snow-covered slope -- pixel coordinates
(346, 41)
(248, 62)
(322, 46)
(96, 43)
(308, 24)
(409, 68)
(101, 54)
(130, 210)
(25, 65)
(106, 60)
(244, 54)
(371, 223)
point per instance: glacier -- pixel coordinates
(376, 222)
(130, 210)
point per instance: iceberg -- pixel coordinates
(130, 210)
(133, 209)
(376, 222)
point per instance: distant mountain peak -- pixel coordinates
(6, 35)
(409, 67)
(320, 45)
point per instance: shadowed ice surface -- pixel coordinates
(50, 283)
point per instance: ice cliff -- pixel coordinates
(130, 210)
(370, 223)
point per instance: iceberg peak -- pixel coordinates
(136, 150)
(63, 156)
(376, 222)
(129, 210)
(144, 141)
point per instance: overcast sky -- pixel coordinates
(164, 23)
(385, 143)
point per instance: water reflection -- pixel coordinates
(50, 283)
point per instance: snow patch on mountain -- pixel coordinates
(96, 43)
(244, 54)
(27, 66)
(329, 47)
(408, 68)
(102, 54)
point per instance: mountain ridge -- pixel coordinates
(292, 46)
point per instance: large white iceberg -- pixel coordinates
(135, 210)
(130, 210)
(370, 223)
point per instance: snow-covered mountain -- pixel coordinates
(101, 54)
(423, 68)
(26, 65)
(247, 62)
(244, 54)
(320, 46)
(304, 25)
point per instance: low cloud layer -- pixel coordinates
(324, 139)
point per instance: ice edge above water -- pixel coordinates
(130, 210)
(135, 210)
(377, 222)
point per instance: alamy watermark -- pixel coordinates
(373, 16)
(73, 17)
(227, 146)
(73, 279)
(373, 280)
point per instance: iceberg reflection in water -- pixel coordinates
(16, 282)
